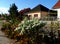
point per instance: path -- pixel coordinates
(3, 38)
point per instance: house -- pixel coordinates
(21, 12)
(53, 14)
(24, 11)
(40, 12)
(57, 7)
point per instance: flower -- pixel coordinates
(26, 25)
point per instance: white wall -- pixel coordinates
(32, 14)
(58, 13)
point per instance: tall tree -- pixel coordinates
(13, 12)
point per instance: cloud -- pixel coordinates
(3, 10)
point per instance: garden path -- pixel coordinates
(3, 38)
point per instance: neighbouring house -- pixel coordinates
(57, 7)
(41, 12)
(53, 14)
(38, 12)
(25, 10)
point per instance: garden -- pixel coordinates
(32, 31)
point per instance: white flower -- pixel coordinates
(27, 25)
(17, 28)
(22, 31)
(33, 26)
(19, 24)
(38, 24)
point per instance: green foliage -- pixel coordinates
(30, 25)
(3, 16)
(13, 12)
(55, 25)
(31, 28)
(6, 25)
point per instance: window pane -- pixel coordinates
(29, 16)
(35, 15)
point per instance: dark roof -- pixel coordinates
(24, 10)
(39, 8)
(57, 5)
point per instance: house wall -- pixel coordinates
(58, 13)
(40, 14)
(33, 13)
(44, 14)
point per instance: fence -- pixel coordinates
(49, 19)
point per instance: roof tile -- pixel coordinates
(57, 5)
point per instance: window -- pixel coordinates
(29, 16)
(35, 15)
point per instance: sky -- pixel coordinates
(21, 4)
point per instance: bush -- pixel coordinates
(30, 28)
(6, 26)
(8, 29)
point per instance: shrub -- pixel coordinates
(8, 28)
(30, 28)
(5, 26)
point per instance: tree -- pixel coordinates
(4, 16)
(13, 12)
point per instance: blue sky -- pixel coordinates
(21, 4)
